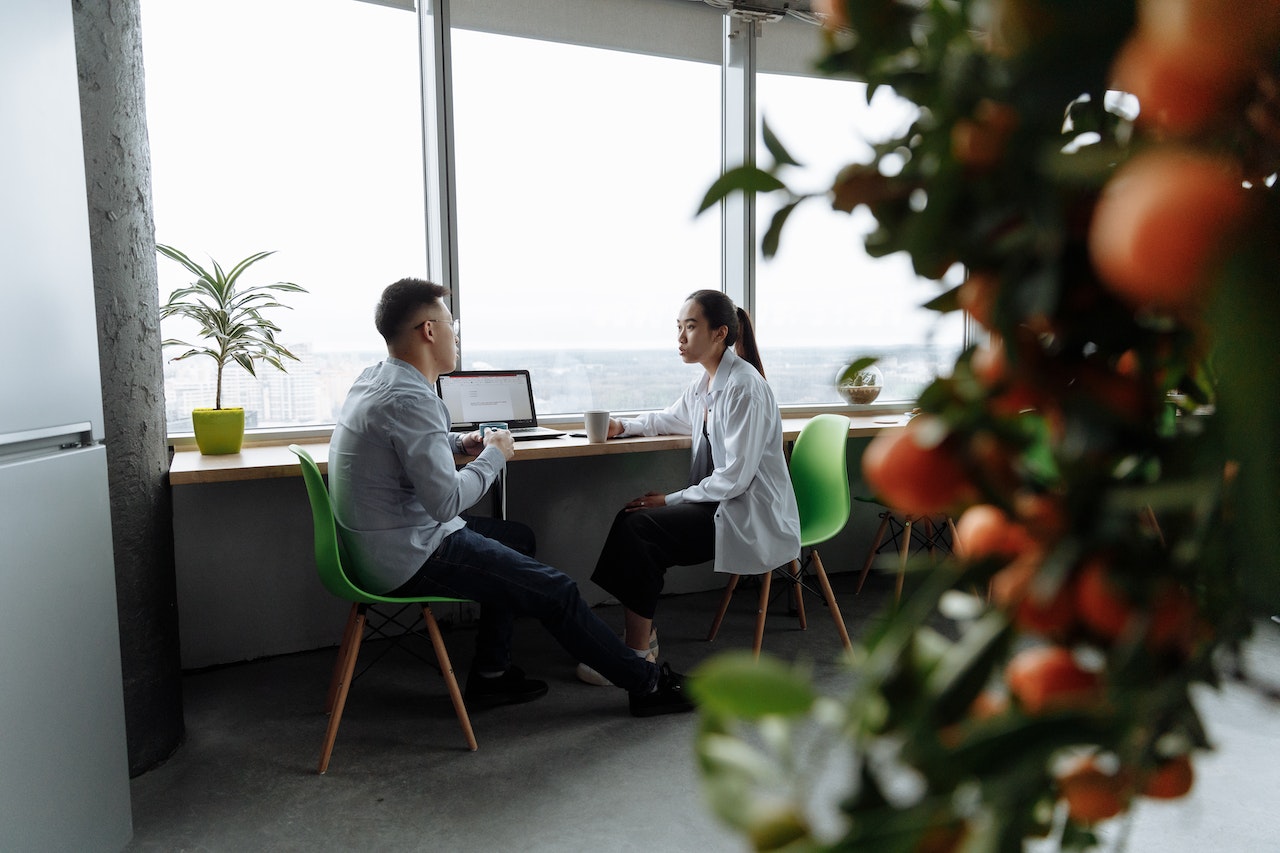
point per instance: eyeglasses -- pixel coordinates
(455, 325)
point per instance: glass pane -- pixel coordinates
(294, 126)
(822, 301)
(578, 174)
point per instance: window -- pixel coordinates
(583, 143)
(294, 126)
(821, 301)
(579, 171)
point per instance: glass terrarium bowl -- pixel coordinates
(861, 386)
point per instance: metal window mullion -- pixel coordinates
(437, 146)
(738, 147)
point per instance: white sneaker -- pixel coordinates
(590, 676)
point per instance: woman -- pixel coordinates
(738, 509)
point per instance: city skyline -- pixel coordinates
(565, 381)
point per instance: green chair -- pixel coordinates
(820, 479)
(329, 563)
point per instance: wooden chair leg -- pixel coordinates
(956, 547)
(450, 680)
(798, 590)
(902, 562)
(340, 661)
(929, 535)
(1148, 516)
(871, 555)
(347, 658)
(724, 607)
(831, 600)
(765, 580)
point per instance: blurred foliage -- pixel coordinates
(1139, 439)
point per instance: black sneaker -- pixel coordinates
(668, 698)
(510, 688)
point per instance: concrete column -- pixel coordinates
(122, 236)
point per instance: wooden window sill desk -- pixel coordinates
(242, 521)
(267, 461)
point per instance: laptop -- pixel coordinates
(474, 397)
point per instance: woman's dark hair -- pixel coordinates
(719, 310)
(400, 300)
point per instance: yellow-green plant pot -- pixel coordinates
(218, 431)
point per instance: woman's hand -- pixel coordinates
(647, 501)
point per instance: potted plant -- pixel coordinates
(231, 323)
(1119, 237)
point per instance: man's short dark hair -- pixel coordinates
(400, 300)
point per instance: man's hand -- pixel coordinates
(615, 427)
(646, 501)
(501, 439)
(472, 443)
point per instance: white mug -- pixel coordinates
(597, 424)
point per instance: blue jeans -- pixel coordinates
(508, 584)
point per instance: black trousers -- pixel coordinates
(643, 544)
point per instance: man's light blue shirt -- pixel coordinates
(396, 491)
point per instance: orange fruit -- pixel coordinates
(1048, 618)
(942, 838)
(1041, 514)
(985, 530)
(916, 469)
(833, 13)
(979, 143)
(989, 364)
(1234, 29)
(1160, 223)
(1170, 780)
(1180, 87)
(1047, 678)
(1175, 622)
(1017, 25)
(977, 295)
(1092, 794)
(1009, 585)
(1100, 604)
(1123, 395)
(988, 704)
(1011, 590)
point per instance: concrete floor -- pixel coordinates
(573, 771)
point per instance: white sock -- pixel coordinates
(641, 653)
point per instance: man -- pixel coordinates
(397, 497)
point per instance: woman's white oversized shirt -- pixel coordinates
(757, 523)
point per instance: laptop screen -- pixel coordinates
(476, 396)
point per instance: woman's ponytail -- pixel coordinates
(719, 310)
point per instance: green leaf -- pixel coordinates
(772, 237)
(780, 154)
(230, 316)
(966, 667)
(735, 684)
(740, 179)
(856, 367)
(945, 302)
